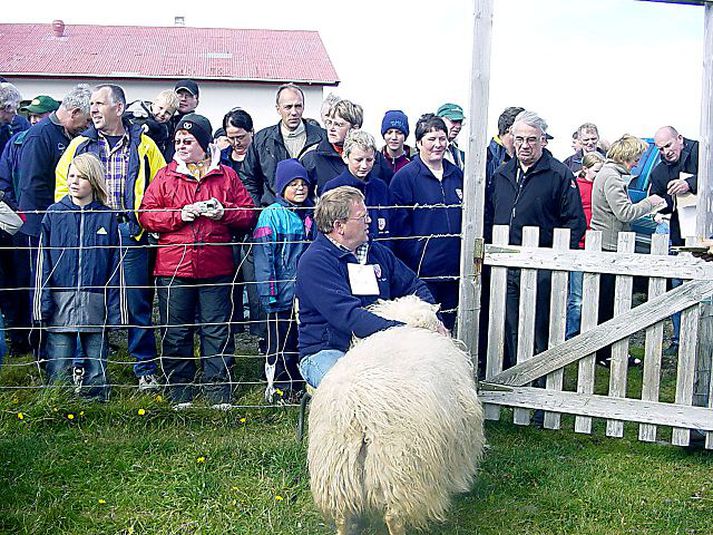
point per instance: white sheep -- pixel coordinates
(395, 427)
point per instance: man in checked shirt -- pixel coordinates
(131, 160)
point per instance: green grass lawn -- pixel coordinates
(135, 466)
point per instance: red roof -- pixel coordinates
(165, 52)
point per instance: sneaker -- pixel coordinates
(77, 379)
(148, 382)
(183, 406)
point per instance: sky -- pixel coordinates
(629, 66)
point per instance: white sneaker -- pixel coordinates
(183, 406)
(77, 379)
(148, 382)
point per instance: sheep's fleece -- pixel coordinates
(396, 427)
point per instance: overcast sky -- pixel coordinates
(627, 65)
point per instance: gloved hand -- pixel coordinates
(216, 212)
(189, 213)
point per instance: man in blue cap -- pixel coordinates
(453, 116)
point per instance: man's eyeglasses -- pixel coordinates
(186, 142)
(527, 140)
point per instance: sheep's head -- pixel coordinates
(410, 310)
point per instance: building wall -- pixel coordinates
(216, 98)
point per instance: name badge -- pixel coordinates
(362, 279)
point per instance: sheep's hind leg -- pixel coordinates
(395, 524)
(347, 526)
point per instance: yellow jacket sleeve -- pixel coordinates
(62, 170)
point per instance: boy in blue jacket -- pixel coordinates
(359, 155)
(77, 284)
(281, 236)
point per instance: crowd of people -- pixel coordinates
(109, 206)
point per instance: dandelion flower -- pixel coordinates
(159, 398)
(102, 501)
(200, 459)
(81, 413)
(70, 416)
(20, 416)
(243, 420)
(278, 498)
(141, 412)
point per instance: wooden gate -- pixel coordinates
(689, 408)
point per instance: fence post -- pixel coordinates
(474, 178)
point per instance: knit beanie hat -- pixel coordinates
(199, 127)
(394, 119)
(287, 171)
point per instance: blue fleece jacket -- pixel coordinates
(426, 253)
(77, 286)
(330, 314)
(376, 198)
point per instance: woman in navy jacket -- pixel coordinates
(429, 192)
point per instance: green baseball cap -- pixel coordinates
(41, 104)
(451, 111)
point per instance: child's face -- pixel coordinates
(296, 191)
(80, 188)
(162, 112)
(360, 162)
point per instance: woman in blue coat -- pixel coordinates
(429, 194)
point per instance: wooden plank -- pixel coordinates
(686, 295)
(558, 322)
(704, 191)
(496, 321)
(597, 406)
(474, 176)
(590, 316)
(683, 266)
(686, 367)
(654, 343)
(620, 349)
(526, 317)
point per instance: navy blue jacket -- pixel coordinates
(267, 149)
(427, 254)
(546, 196)
(227, 160)
(377, 198)
(329, 313)
(41, 150)
(9, 165)
(78, 272)
(323, 163)
(18, 124)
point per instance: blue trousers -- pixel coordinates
(314, 367)
(61, 349)
(142, 342)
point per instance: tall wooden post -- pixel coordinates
(474, 179)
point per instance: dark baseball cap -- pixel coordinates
(188, 85)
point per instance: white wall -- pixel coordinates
(216, 98)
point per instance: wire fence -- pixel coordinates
(231, 347)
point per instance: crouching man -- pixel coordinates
(338, 276)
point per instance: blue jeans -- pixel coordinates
(181, 301)
(61, 348)
(314, 367)
(142, 342)
(676, 318)
(574, 304)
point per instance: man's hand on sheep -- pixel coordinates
(441, 329)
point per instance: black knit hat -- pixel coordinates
(199, 127)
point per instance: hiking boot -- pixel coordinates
(77, 379)
(148, 382)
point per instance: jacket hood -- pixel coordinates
(182, 168)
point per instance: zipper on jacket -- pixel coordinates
(81, 247)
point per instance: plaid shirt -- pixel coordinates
(116, 166)
(360, 253)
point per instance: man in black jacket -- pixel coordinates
(290, 138)
(675, 174)
(534, 189)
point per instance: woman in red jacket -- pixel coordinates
(195, 205)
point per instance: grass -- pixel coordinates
(134, 466)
